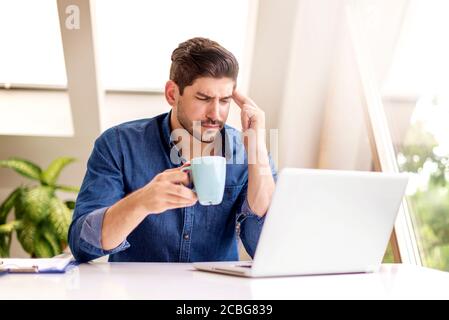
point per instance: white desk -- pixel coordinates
(181, 281)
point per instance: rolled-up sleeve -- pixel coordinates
(101, 188)
(91, 234)
(249, 223)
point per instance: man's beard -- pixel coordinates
(198, 125)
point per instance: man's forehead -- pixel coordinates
(212, 87)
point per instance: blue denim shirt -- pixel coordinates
(127, 157)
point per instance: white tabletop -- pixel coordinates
(181, 281)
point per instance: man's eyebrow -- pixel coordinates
(203, 95)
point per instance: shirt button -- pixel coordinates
(186, 236)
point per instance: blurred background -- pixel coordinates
(356, 85)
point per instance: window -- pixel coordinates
(31, 50)
(136, 38)
(415, 96)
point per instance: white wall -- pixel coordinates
(293, 55)
(272, 49)
(344, 141)
(305, 93)
(344, 138)
(29, 112)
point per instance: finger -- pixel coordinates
(177, 176)
(245, 120)
(238, 98)
(178, 168)
(181, 191)
(250, 109)
(241, 99)
(248, 112)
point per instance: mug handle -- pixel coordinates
(188, 169)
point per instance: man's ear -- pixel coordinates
(171, 90)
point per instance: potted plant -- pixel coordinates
(41, 219)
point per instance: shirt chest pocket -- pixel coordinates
(218, 216)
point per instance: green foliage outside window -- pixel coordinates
(429, 204)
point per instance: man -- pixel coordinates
(135, 203)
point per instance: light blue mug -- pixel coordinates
(208, 177)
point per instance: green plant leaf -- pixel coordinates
(36, 203)
(26, 236)
(59, 218)
(42, 248)
(53, 240)
(18, 205)
(70, 204)
(23, 167)
(68, 188)
(6, 228)
(9, 227)
(5, 236)
(51, 174)
(8, 204)
(5, 244)
(42, 220)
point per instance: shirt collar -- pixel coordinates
(166, 129)
(168, 142)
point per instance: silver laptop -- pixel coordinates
(323, 222)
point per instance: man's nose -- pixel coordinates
(213, 112)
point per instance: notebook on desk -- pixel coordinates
(57, 264)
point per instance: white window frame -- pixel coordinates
(403, 240)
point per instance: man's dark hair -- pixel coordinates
(201, 57)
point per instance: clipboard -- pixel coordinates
(44, 265)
